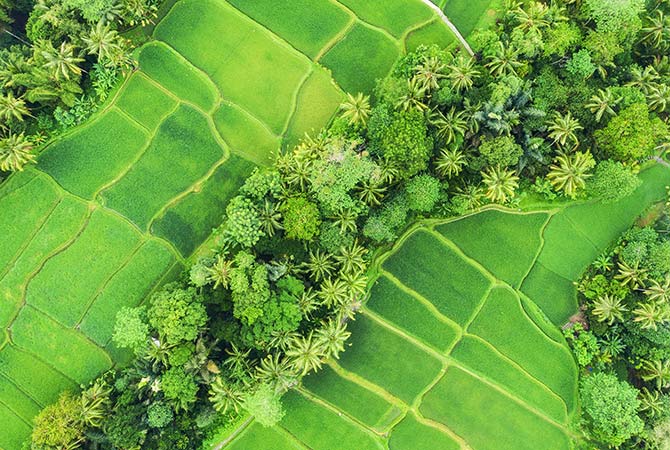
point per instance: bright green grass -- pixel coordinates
(503, 323)
(65, 349)
(468, 14)
(22, 223)
(189, 222)
(409, 314)
(540, 319)
(10, 395)
(481, 358)
(349, 397)
(182, 151)
(93, 155)
(505, 243)
(306, 24)
(487, 419)
(16, 181)
(173, 72)
(361, 47)
(259, 437)
(145, 102)
(127, 287)
(374, 355)
(424, 264)
(395, 16)
(554, 294)
(34, 377)
(61, 226)
(321, 429)
(14, 430)
(250, 67)
(245, 135)
(410, 434)
(435, 32)
(566, 250)
(318, 100)
(98, 252)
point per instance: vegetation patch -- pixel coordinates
(435, 31)
(395, 16)
(258, 436)
(467, 15)
(145, 102)
(405, 435)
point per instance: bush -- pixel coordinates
(159, 415)
(422, 193)
(301, 218)
(500, 151)
(130, 330)
(612, 181)
(177, 314)
(59, 425)
(265, 406)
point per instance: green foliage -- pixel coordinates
(179, 387)
(243, 224)
(131, 331)
(612, 181)
(422, 193)
(609, 408)
(177, 314)
(301, 218)
(265, 405)
(583, 343)
(159, 415)
(620, 17)
(59, 425)
(384, 225)
(580, 65)
(500, 151)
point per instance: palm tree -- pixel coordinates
(563, 129)
(356, 284)
(308, 302)
(608, 308)
(225, 396)
(500, 184)
(643, 78)
(332, 335)
(15, 152)
(333, 292)
(504, 61)
(345, 218)
(413, 97)
(658, 292)
(463, 73)
(657, 371)
(449, 125)
(603, 263)
(429, 73)
(298, 171)
(102, 41)
(282, 339)
(632, 275)
(95, 403)
(62, 61)
(237, 361)
(270, 215)
(657, 31)
(533, 18)
(352, 259)
(320, 265)
(12, 108)
(570, 172)
(450, 163)
(470, 196)
(219, 272)
(658, 97)
(649, 315)
(371, 192)
(277, 371)
(356, 109)
(603, 103)
(305, 353)
(650, 402)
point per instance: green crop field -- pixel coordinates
(115, 206)
(456, 342)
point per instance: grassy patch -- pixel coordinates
(62, 225)
(145, 102)
(349, 397)
(395, 16)
(182, 152)
(258, 437)
(468, 14)
(410, 434)
(189, 222)
(17, 400)
(245, 135)
(506, 244)
(39, 380)
(435, 32)
(408, 313)
(306, 24)
(321, 429)
(93, 155)
(374, 355)
(102, 247)
(481, 358)
(250, 67)
(174, 73)
(487, 419)
(503, 323)
(555, 295)
(361, 47)
(440, 275)
(318, 100)
(14, 430)
(566, 251)
(128, 287)
(65, 349)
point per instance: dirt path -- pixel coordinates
(453, 28)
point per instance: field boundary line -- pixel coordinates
(478, 308)
(234, 434)
(310, 396)
(292, 437)
(127, 116)
(336, 39)
(417, 27)
(519, 367)
(368, 385)
(441, 427)
(16, 414)
(28, 171)
(584, 235)
(21, 389)
(367, 24)
(539, 250)
(448, 22)
(294, 100)
(420, 298)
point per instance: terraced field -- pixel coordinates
(470, 15)
(115, 206)
(454, 345)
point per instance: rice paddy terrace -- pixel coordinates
(458, 344)
(114, 207)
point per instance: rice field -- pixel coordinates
(120, 202)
